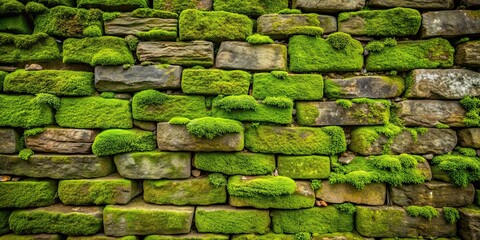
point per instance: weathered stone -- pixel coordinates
(154, 165)
(263, 112)
(477, 197)
(101, 236)
(373, 194)
(10, 141)
(281, 26)
(304, 167)
(469, 225)
(439, 174)
(444, 84)
(425, 170)
(339, 236)
(194, 191)
(62, 140)
(177, 138)
(147, 126)
(215, 82)
(4, 228)
(140, 218)
(126, 24)
(137, 78)
(417, 4)
(28, 193)
(237, 163)
(190, 236)
(430, 113)
(468, 54)
(395, 222)
(365, 87)
(42, 236)
(178, 53)
(57, 166)
(471, 3)
(328, 6)
(450, 23)
(244, 56)
(434, 193)
(266, 236)
(173, 6)
(469, 137)
(57, 218)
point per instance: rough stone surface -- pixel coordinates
(328, 6)
(450, 23)
(27, 193)
(42, 236)
(62, 140)
(100, 236)
(444, 83)
(172, 6)
(126, 24)
(278, 26)
(372, 194)
(177, 138)
(154, 165)
(417, 4)
(244, 56)
(177, 53)
(137, 78)
(9, 139)
(430, 113)
(191, 236)
(365, 87)
(434, 193)
(57, 166)
(303, 167)
(469, 225)
(469, 137)
(468, 54)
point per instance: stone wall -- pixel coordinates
(239, 119)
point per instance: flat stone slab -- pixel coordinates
(417, 4)
(42, 236)
(10, 141)
(62, 140)
(303, 167)
(468, 54)
(137, 78)
(57, 166)
(244, 56)
(430, 113)
(365, 87)
(28, 193)
(328, 6)
(280, 26)
(469, 137)
(126, 24)
(469, 225)
(450, 23)
(373, 194)
(178, 53)
(140, 218)
(434, 193)
(237, 163)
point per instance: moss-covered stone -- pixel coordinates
(53, 3)
(243, 186)
(215, 82)
(57, 218)
(282, 26)
(314, 220)
(195, 191)
(24, 111)
(3, 75)
(11, 7)
(28, 193)
(295, 140)
(229, 220)
(242, 163)
(312, 54)
(190, 236)
(180, 5)
(101, 236)
(253, 8)
(252, 57)
(115, 141)
(214, 26)
(373, 194)
(267, 236)
(293, 86)
(304, 167)
(14, 24)
(32, 237)
(345, 235)
(477, 197)
(28, 48)
(461, 169)
(365, 87)
(4, 228)
(112, 5)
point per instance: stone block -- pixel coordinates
(335, 236)
(431, 113)
(417, 4)
(101, 236)
(365, 87)
(28, 193)
(329, 6)
(244, 56)
(123, 6)
(215, 82)
(62, 140)
(115, 141)
(45, 47)
(10, 141)
(372, 194)
(252, 8)
(180, 5)
(190, 236)
(238, 163)
(177, 53)
(468, 54)
(23, 111)
(450, 23)
(293, 86)
(95, 51)
(225, 219)
(282, 26)
(14, 24)
(304, 167)
(266, 236)
(469, 137)
(130, 24)
(42, 236)
(471, 3)
(469, 225)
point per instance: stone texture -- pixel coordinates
(430, 113)
(450, 23)
(137, 78)
(173, 6)
(237, 163)
(140, 218)
(387, 221)
(154, 165)
(469, 137)
(373, 194)
(303, 167)
(469, 225)
(425, 170)
(42, 236)
(57, 166)
(266, 236)
(191, 236)
(468, 54)
(101, 236)
(417, 4)
(444, 84)
(365, 87)
(434, 193)
(126, 24)
(279, 26)
(244, 56)
(9, 139)
(328, 6)
(27, 193)
(177, 138)
(178, 53)
(62, 140)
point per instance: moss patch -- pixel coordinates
(10, 7)
(215, 82)
(114, 141)
(304, 167)
(293, 86)
(364, 137)
(461, 169)
(229, 220)
(267, 236)
(451, 214)
(153, 13)
(113, 5)
(28, 48)
(53, 3)
(14, 24)
(4, 228)
(210, 127)
(23, 111)
(472, 116)
(3, 75)
(427, 212)
(252, 8)
(235, 163)
(28, 193)
(179, 5)
(378, 221)
(261, 185)
(191, 236)
(258, 39)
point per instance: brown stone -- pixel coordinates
(469, 226)
(125, 24)
(430, 113)
(62, 140)
(469, 137)
(425, 170)
(468, 54)
(373, 194)
(279, 26)
(365, 87)
(242, 55)
(147, 126)
(450, 23)
(328, 6)
(417, 4)
(177, 53)
(9, 140)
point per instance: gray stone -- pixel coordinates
(244, 56)
(279, 26)
(365, 87)
(137, 78)
(468, 54)
(62, 140)
(469, 137)
(431, 113)
(10, 141)
(177, 138)
(434, 193)
(57, 166)
(154, 165)
(444, 83)
(126, 24)
(417, 4)
(373, 194)
(178, 53)
(328, 6)
(450, 23)
(469, 225)
(471, 3)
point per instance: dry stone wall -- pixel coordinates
(239, 119)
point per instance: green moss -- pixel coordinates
(266, 236)
(242, 103)
(257, 39)
(215, 82)
(461, 169)
(228, 220)
(132, 43)
(113, 5)
(210, 127)
(53, 3)
(364, 137)
(472, 106)
(376, 221)
(307, 112)
(235, 163)
(14, 24)
(35, 8)
(280, 74)
(293, 86)
(28, 193)
(157, 34)
(290, 11)
(345, 235)
(97, 51)
(469, 152)
(153, 13)
(179, 121)
(252, 8)
(313, 54)
(408, 55)
(303, 167)
(47, 99)
(3, 75)
(345, 103)
(451, 214)
(115, 141)
(27, 48)
(107, 95)
(316, 184)
(10, 7)
(178, 5)
(346, 207)
(305, 30)
(261, 185)
(94, 112)
(4, 228)
(427, 212)
(375, 46)
(33, 132)
(214, 26)
(339, 40)
(280, 102)
(23, 111)
(217, 180)
(109, 16)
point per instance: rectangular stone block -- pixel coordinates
(4, 227)
(314, 220)
(469, 223)
(132, 24)
(215, 82)
(124, 6)
(178, 53)
(62, 140)
(282, 26)
(303, 167)
(23, 111)
(238, 163)
(293, 86)
(431, 113)
(365, 87)
(372, 194)
(180, 5)
(14, 24)
(328, 6)
(266, 236)
(450, 23)
(469, 137)
(45, 47)
(229, 220)
(10, 141)
(95, 51)
(28, 193)
(244, 56)
(252, 8)
(116, 141)
(42, 236)
(190, 236)
(140, 218)
(57, 166)
(295, 140)
(101, 236)
(344, 235)
(468, 54)
(57, 218)
(417, 4)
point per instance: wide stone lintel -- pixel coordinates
(62, 140)
(178, 53)
(372, 194)
(431, 113)
(451, 23)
